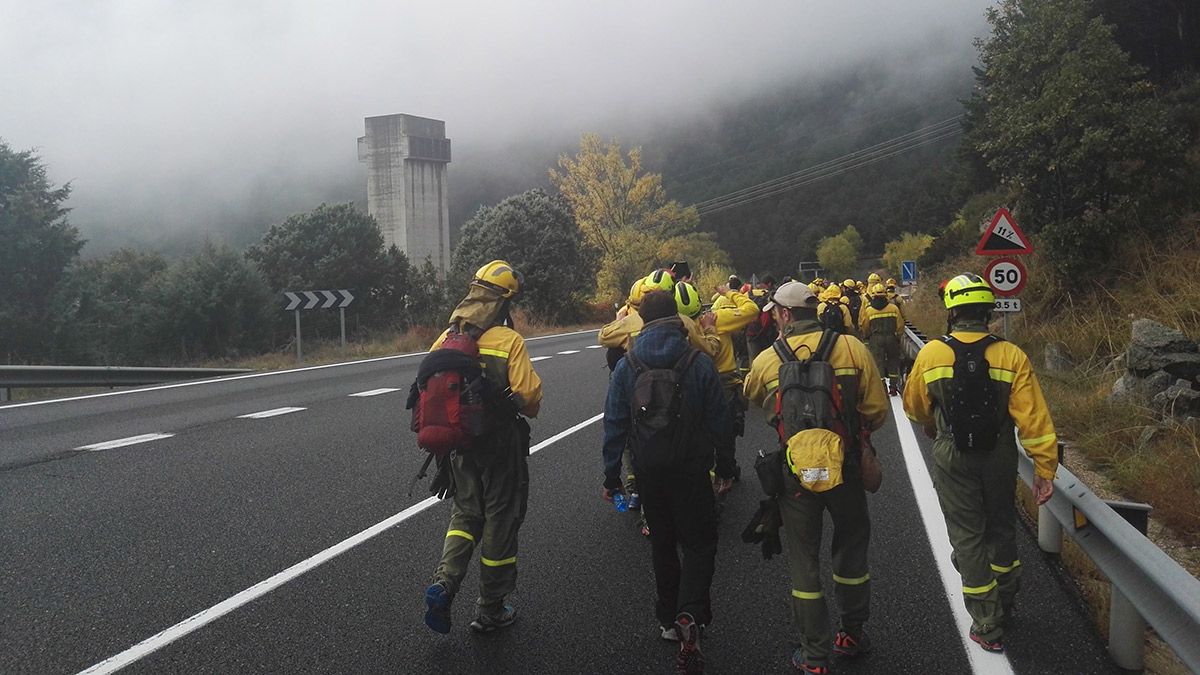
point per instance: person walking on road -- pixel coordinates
(491, 479)
(969, 390)
(881, 326)
(863, 408)
(731, 312)
(666, 405)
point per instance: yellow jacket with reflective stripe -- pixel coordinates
(853, 366)
(734, 311)
(506, 363)
(871, 320)
(620, 334)
(1019, 392)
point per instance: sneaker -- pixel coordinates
(645, 527)
(799, 663)
(635, 501)
(486, 624)
(995, 645)
(689, 661)
(845, 644)
(437, 607)
(669, 634)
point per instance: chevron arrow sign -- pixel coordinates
(297, 300)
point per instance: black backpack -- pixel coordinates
(832, 317)
(808, 396)
(854, 300)
(972, 406)
(661, 424)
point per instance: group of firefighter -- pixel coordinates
(727, 347)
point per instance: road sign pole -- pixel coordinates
(1006, 325)
(299, 351)
(342, 312)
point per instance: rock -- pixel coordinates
(1157, 347)
(1156, 383)
(1179, 401)
(1139, 391)
(1056, 358)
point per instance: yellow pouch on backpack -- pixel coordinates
(814, 456)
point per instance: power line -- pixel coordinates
(834, 167)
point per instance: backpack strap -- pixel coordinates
(685, 362)
(825, 346)
(783, 350)
(638, 366)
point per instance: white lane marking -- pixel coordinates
(595, 347)
(375, 392)
(539, 358)
(207, 616)
(178, 385)
(569, 351)
(982, 663)
(122, 442)
(269, 413)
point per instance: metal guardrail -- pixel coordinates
(13, 377)
(1147, 585)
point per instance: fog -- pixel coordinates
(175, 116)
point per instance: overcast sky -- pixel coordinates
(139, 101)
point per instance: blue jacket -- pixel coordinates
(660, 345)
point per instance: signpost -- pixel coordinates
(1007, 276)
(298, 300)
(908, 272)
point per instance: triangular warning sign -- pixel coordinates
(1003, 237)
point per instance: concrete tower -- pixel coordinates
(406, 158)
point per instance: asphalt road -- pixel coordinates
(102, 549)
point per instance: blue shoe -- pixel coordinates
(437, 608)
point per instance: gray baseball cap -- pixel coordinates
(791, 294)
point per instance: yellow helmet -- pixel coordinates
(968, 289)
(635, 293)
(499, 276)
(849, 283)
(860, 286)
(658, 280)
(831, 293)
(687, 300)
(878, 291)
(873, 279)
(890, 282)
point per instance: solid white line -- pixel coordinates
(540, 358)
(375, 392)
(569, 351)
(982, 663)
(207, 616)
(195, 383)
(269, 413)
(122, 442)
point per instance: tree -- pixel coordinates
(333, 247)
(908, 247)
(216, 304)
(37, 245)
(1064, 117)
(537, 234)
(624, 214)
(837, 255)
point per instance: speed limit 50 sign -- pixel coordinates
(1007, 276)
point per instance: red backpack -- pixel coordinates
(448, 398)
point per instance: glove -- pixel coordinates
(771, 544)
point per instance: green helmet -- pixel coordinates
(658, 280)
(687, 300)
(968, 289)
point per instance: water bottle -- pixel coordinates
(620, 502)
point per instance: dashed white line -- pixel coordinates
(269, 413)
(539, 358)
(982, 663)
(122, 442)
(595, 346)
(375, 392)
(569, 351)
(207, 616)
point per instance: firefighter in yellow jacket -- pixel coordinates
(731, 312)
(881, 327)
(620, 334)
(832, 301)
(491, 482)
(970, 408)
(802, 512)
